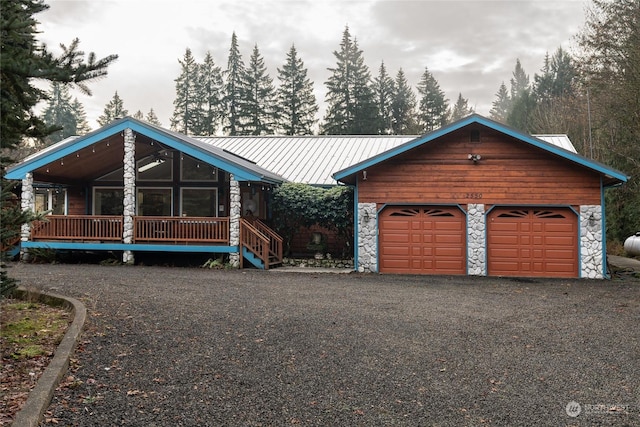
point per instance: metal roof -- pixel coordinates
(313, 159)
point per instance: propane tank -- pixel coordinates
(632, 245)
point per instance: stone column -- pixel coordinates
(591, 246)
(27, 202)
(476, 240)
(235, 210)
(367, 238)
(129, 202)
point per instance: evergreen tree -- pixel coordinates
(461, 109)
(23, 61)
(234, 90)
(433, 107)
(523, 101)
(501, 106)
(186, 108)
(384, 91)
(138, 115)
(113, 110)
(519, 81)
(82, 125)
(209, 95)
(351, 109)
(59, 113)
(296, 106)
(152, 118)
(259, 102)
(403, 106)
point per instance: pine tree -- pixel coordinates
(384, 90)
(296, 106)
(210, 88)
(403, 106)
(350, 101)
(186, 108)
(59, 113)
(461, 109)
(82, 125)
(433, 109)
(152, 118)
(113, 110)
(523, 101)
(234, 90)
(138, 115)
(259, 104)
(519, 81)
(24, 60)
(500, 107)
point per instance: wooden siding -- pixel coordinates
(76, 201)
(509, 172)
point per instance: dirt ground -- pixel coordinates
(190, 346)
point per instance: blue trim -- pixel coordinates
(254, 260)
(166, 138)
(605, 273)
(130, 247)
(356, 229)
(477, 119)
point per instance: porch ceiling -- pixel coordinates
(92, 162)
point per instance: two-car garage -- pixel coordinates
(519, 241)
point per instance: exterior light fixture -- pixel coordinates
(475, 158)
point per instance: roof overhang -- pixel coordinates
(611, 177)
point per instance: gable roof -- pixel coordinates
(610, 175)
(242, 169)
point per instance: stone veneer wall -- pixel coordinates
(367, 238)
(591, 245)
(476, 240)
(235, 210)
(129, 208)
(27, 202)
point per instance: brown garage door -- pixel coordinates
(533, 242)
(422, 240)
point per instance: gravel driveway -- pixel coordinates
(196, 347)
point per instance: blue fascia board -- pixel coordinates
(20, 170)
(71, 246)
(475, 118)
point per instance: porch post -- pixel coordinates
(234, 220)
(129, 202)
(27, 202)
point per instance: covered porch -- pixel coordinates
(132, 186)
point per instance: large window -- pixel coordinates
(199, 202)
(155, 168)
(108, 201)
(49, 199)
(154, 201)
(196, 170)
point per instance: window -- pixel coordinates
(108, 201)
(155, 168)
(50, 199)
(154, 202)
(196, 170)
(199, 202)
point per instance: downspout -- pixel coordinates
(129, 202)
(356, 231)
(605, 273)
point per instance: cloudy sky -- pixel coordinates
(470, 46)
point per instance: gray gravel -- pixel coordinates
(188, 346)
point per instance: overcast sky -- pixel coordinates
(469, 46)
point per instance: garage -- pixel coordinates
(422, 240)
(532, 242)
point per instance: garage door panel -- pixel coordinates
(544, 242)
(435, 239)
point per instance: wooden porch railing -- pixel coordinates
(169, 229)
(261, 241)
(78, 228)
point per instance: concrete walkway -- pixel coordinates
(624, 263)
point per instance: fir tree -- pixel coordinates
(259, 102)
(501, 105)
(350, 101)
(82, 125)
(403, 106)
(138, 115)
(519, 81)
(113, 110)
(384, 90)
(296, 106)
(234, 90)
(461, 109)
(433, 109)
(186, 108)
(59, 113)
(152, 118)
(210, 88)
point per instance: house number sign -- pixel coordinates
(466, 195)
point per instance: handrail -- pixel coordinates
(182, 229)
(255, 241)
(78, 227)
(275, 241)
